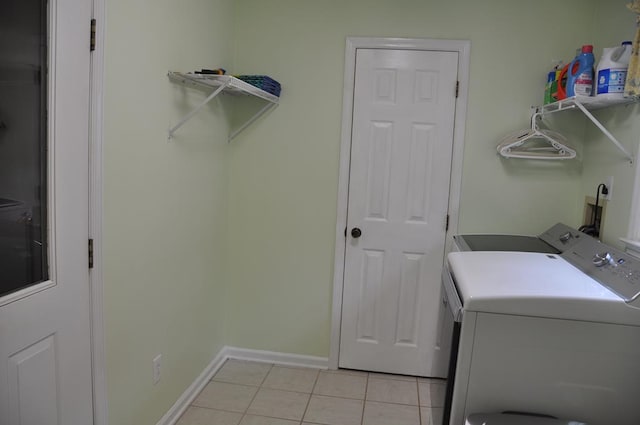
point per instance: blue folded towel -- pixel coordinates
(263, 82)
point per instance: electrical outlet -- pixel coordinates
(157, 369)
(608, 181)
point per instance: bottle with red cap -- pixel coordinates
(580, 73)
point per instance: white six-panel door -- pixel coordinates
(45, 354)
(402, 138)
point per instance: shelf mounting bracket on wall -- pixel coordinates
(221, 84)
(195, 110)
(586, 104)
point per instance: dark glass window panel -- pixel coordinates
(23, 144)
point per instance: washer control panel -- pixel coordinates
(612, 268)
(562, 237)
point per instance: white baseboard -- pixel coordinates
(284, 359)
(190, 394)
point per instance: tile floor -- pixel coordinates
(249, 393)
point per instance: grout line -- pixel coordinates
(309, 401)
(418, 394)
(234, 383)
(276, 417)
(215, 408)
(364, 402)
(346, 398)
(265, 375)
(342, 397)
(255, 395)
(389, 402)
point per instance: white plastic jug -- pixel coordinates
(612, 70)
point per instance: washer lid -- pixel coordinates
(534, 284)
(515, 419)
(487, 242)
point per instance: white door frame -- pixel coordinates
(98, 351)
(354, 43)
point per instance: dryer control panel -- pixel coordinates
(611, 267)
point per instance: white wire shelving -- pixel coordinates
(586, 104)
(215, 85)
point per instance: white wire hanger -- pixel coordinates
(535, 143)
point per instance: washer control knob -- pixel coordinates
(565, 237)
(602, 259)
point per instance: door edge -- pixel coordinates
(96, 134)
(463, 48)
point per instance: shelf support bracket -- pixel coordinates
(258, 114)
(604, 130)
(190, 115)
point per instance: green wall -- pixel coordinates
(284, 170)
(165, 217)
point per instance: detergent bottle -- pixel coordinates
(612, 70)
(578, 74)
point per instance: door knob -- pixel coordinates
(356, 233)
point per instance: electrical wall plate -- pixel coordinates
(608, 181)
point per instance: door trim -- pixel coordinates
(96, 125)
(353, 43)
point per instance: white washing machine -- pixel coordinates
(552, 334)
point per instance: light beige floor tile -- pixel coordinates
(291, 379)
(334, 411)
(263, 420)
(199, 416)
(431, 416)
(242, 372)
(341, 385)
(392, 391)
(432, 393)
(224, 396)
(391, 376)
(387, 414)
(279, 404)
(436, 415)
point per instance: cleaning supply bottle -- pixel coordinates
(580, 74)
(554, 85)
(548, 88)
(555, 94)
(612, 70)
(551, 88)
(561, 81)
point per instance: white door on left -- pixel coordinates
(45, 348)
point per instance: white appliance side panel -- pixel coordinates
(582, 371)
(463, 367)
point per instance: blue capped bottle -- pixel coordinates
(580, 73)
